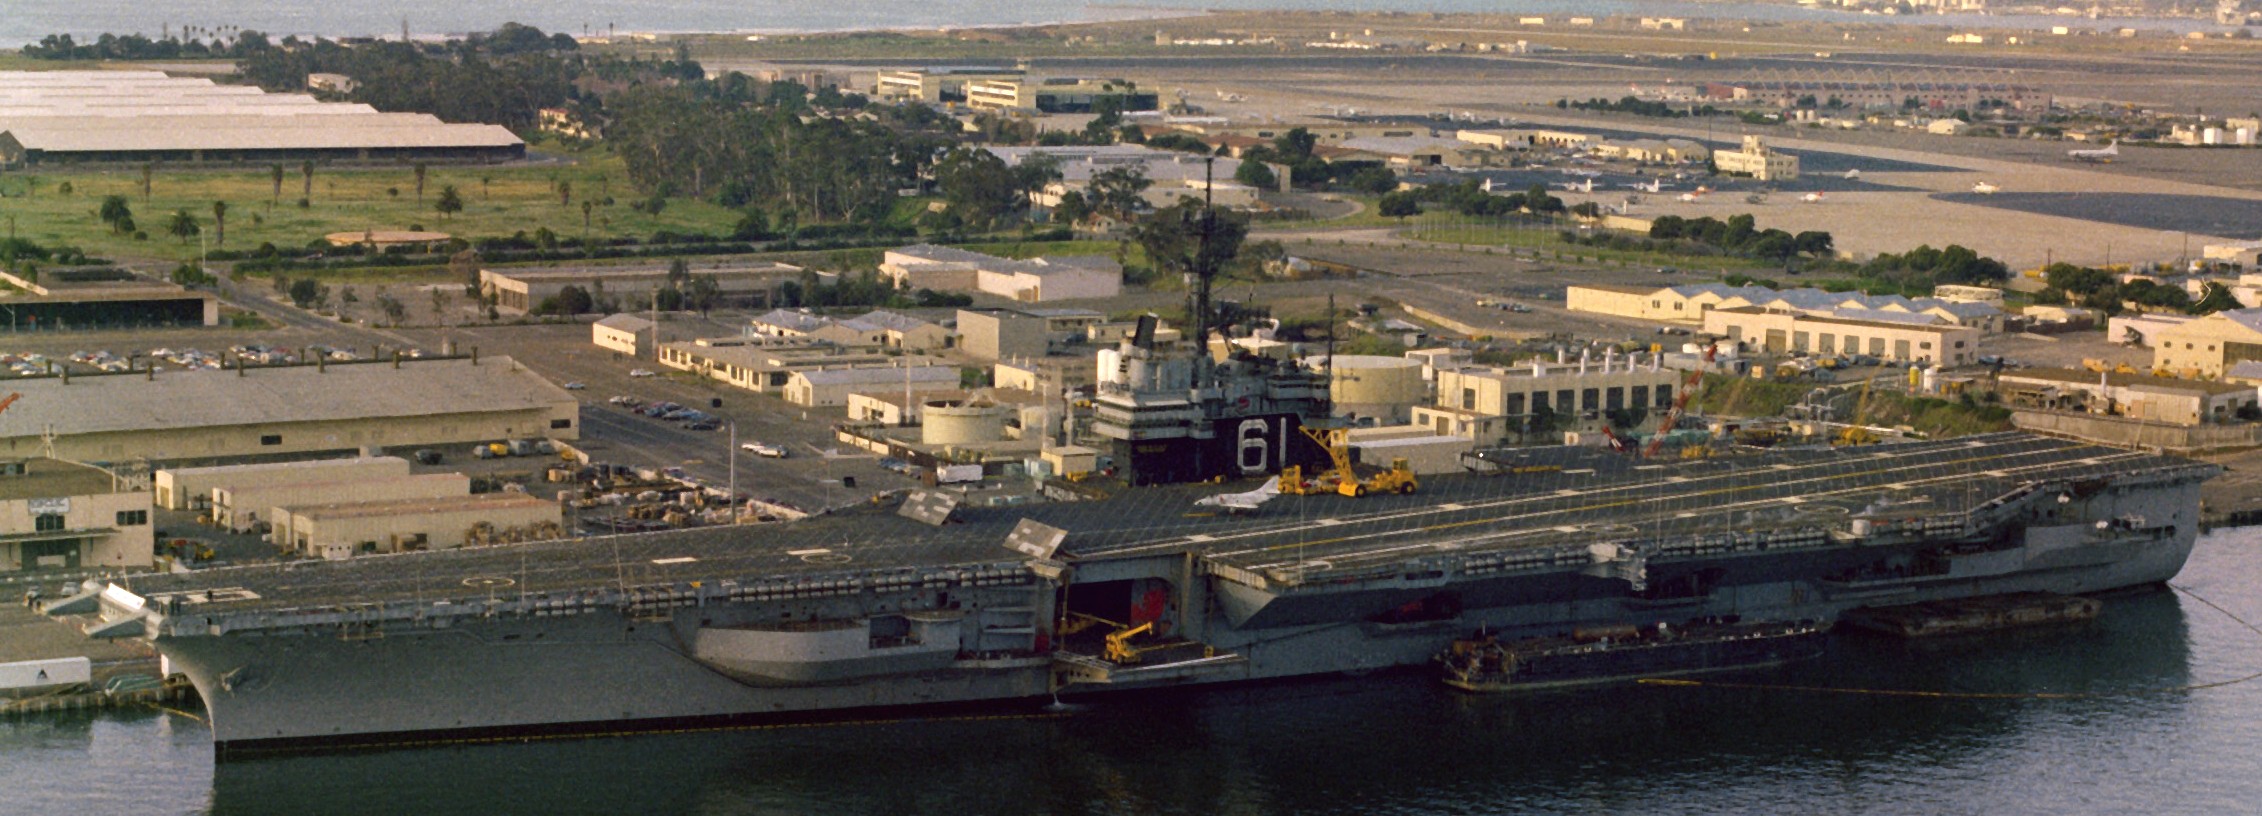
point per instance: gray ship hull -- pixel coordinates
(895, 638)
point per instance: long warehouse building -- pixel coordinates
(212, 416)
(49, 117)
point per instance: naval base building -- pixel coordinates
(207, 416)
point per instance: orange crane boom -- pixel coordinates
(1680, 401)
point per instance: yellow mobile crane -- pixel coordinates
(1855, 434)
(1343, 477)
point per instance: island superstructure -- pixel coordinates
(887, 610)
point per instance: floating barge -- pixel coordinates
(1488, 665)
(1966, 616)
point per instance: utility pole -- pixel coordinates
(734, 502)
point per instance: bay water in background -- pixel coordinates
(2132, 737)
(26, 21)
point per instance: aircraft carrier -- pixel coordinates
(884, 608)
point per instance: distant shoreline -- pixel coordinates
(1100, 15)
(1130, 14)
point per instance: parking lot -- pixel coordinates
(808, 477)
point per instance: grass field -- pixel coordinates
(498, 200)
(1548, 240)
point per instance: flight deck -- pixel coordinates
(1544, 497)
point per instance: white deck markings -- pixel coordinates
(1766, 501)
(2027, 447)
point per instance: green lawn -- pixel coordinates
(1549, 242)
(497, 201)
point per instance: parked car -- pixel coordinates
(1519, 308)
(640, 372)
(762, 449)
(703, 425)
(574, 386)
(897, 465)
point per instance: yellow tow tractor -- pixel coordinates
(1342, 476)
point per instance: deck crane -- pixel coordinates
(1672, 419)
(9, 400)
(1342, 478)
(1855, 434)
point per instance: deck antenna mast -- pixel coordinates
(1202, 273)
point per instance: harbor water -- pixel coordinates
(26, 21)
(2148, 709)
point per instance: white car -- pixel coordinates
(640, 372)
(759, 449)
(574, 386)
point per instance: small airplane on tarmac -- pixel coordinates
(1853, 174)
(1654, 185)
(1812, 198)
(1697, 194)
(1586, 186)
(1237, 503)
(1985, 188)
(2102, 155)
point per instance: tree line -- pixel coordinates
(138, 47)
(2105, 291)
(1639, 107)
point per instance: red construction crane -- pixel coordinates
(1673, 417)
(9, 400)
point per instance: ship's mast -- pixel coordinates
(1203, 273)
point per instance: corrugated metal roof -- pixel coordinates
(132, 111)
(892, 321)
(289, 133)
(790, 320)
(272, 396)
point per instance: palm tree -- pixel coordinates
(306, 173)
(182, 225)
(450, 202)
(419, 182)
(146, 168)
(220, 223)
(275, 171)
(115, 212)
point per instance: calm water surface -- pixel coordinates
(23, 21)
(1383, 744)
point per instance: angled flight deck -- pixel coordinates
(1563, 496)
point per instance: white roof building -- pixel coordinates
(146, 115)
